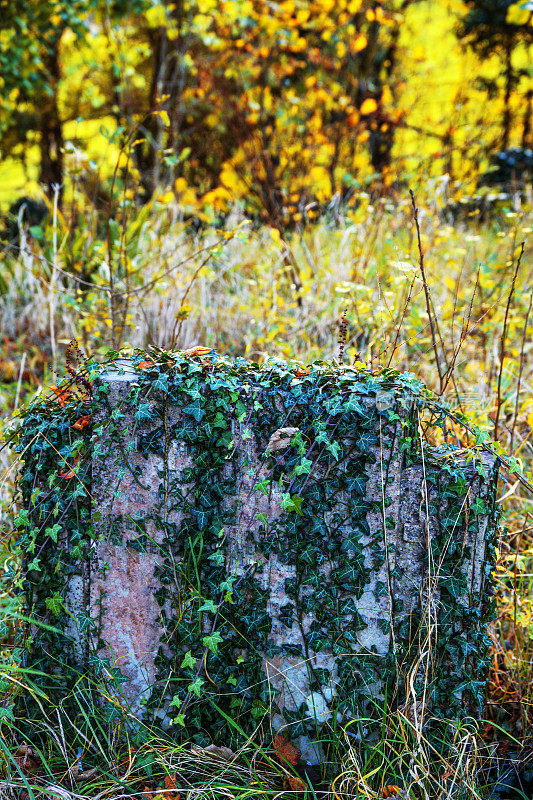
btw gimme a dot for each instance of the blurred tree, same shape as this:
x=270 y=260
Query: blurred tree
x=166 y=28
x=31 y=70
x=499 y=27
x=271 y=101
x=297 y=91
x=30 y=35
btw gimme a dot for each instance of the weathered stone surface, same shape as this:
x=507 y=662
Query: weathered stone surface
x=122 y=580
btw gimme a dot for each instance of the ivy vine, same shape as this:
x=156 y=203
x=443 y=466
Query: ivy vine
x=211 y=683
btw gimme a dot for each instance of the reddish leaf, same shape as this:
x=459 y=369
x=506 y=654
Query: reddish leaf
x=390 y=791
x=26 y=759
x=170 y=781
x=70 y=472
x=62 y=396
x=295 y=784
x=82 y=423
x=286 y=751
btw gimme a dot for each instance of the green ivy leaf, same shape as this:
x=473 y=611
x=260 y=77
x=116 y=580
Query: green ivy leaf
x=54 y=604
x=196 y=687
x=195 y=411
x=53 y=531
x=212 y=641
x=161 y=383
x=6 y=713
x=188 y=661
x=209 y=606
x=144 y=412
x=304 y=467
x=21 y=518
x=479 y=506
x=292 y=503
x=334 y=448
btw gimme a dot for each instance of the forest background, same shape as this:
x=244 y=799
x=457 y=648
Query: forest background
x=236 y=174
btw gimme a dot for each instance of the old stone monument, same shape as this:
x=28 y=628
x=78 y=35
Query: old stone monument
x=289 y=548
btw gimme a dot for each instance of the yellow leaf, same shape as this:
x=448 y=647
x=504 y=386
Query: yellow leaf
x=518 y=14
x=419 y=53
x=156 y=16
x=341 y=49
x=359 y=43
x=166 y=197
x=369 y=106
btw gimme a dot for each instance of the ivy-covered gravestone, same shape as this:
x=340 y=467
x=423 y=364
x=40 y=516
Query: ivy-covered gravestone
x=287 y=548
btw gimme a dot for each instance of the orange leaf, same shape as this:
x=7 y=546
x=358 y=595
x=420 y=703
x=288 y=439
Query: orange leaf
x=390 y=791
x=146 y=364
x=286 y=751
x=196 y=351
x=294 y=783
x=82 y=423
x=61 y=395
x=170 y=781
x=69 y=473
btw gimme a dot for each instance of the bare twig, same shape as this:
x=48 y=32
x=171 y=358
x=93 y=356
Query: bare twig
x=521 y=369
x=53 y=279
x=502 y=341
x=426 y=289
x=341 y=340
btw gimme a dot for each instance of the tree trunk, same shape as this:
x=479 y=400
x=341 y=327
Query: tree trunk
x=147 y=150
x=51 y=128
x=509 y=76
x=527 y=131
x=381 y=139
x=165 y=90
